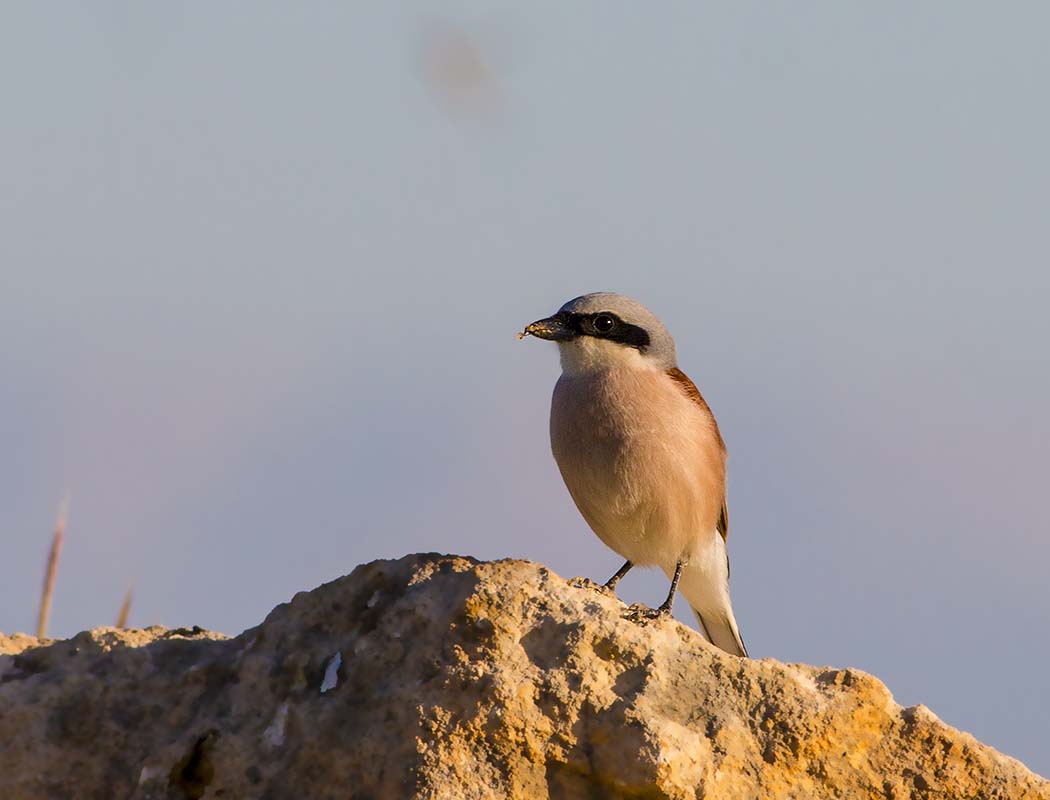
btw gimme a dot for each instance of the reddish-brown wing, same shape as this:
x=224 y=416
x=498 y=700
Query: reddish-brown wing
x=693 y=393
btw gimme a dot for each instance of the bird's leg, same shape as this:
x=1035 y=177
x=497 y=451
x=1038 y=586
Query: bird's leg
x=665 y=608
x=640 y=613
x=608 y=586
x=615 y=579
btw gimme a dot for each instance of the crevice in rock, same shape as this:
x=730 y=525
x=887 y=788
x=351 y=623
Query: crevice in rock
x=195 y=771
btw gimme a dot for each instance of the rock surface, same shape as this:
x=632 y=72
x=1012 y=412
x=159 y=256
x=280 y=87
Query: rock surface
x=443 y=677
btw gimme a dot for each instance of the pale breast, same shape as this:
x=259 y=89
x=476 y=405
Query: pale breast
x=642 y=461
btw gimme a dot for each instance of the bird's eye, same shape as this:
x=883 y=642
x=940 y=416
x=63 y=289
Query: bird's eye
x=603 y=323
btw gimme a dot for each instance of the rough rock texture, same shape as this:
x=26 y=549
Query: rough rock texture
x=442 y=677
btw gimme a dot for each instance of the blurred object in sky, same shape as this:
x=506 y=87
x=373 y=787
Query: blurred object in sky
x=457 y=71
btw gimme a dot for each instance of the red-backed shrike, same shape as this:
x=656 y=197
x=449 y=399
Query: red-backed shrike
x=641 y=454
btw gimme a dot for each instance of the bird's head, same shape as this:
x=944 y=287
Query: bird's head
x=604 y=330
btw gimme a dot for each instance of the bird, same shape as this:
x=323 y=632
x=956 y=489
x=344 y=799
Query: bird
x=641 y=454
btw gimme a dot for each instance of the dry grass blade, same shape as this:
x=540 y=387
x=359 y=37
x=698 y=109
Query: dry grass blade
x=52 y=569
x=125 y=609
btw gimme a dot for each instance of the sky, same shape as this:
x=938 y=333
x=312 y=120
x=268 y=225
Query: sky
x=262 y=266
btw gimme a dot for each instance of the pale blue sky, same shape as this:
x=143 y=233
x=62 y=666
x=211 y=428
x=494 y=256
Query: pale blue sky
x=262 y=266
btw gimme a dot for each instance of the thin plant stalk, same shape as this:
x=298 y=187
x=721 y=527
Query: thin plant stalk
x=125 y=609
x=52 y=569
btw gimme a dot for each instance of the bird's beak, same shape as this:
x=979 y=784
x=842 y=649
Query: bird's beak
x=552 y=328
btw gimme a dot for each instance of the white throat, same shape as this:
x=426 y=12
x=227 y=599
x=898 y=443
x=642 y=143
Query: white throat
x=587 y=354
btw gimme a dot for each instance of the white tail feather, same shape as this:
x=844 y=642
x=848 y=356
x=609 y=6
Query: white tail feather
x=705 y=585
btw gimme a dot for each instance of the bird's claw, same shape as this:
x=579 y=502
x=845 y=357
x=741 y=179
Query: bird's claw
x=585 y=583
x=594 y=586
x=642 y=614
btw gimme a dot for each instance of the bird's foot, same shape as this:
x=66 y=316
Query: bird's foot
x=642 y=614
x=594 y=586
x=585 y=583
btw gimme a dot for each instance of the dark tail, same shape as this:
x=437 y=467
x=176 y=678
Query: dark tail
x=722 y=632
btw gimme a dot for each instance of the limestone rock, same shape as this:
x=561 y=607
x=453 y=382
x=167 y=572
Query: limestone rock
x=443 y=677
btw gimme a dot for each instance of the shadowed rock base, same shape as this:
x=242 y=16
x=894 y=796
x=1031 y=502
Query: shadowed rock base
x=443 y=677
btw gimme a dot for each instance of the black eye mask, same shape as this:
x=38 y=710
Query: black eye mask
x=606 y=325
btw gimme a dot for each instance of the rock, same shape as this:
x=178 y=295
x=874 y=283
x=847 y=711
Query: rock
x=443 y=677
